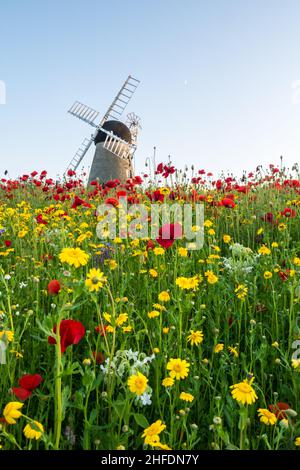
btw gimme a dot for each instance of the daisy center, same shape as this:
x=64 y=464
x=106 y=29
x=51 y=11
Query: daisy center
x=244 y=388
x=139 y=383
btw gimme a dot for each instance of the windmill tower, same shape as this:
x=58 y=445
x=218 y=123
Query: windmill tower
x=115 y=141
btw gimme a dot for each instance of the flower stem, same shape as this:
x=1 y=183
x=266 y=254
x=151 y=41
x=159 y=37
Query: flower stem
x=58 y=391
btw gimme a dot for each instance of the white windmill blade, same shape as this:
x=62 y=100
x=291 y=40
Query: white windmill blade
x=121 y=100
x=84 y=112
x=75 y=162
x=117 y=146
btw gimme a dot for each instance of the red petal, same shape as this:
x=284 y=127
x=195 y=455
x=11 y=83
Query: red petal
x=71 y=332
x=168 y=233
x=30 y=382
x=21 y=393
x=165 y=243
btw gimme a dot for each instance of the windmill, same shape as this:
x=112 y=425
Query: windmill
x=115 y=141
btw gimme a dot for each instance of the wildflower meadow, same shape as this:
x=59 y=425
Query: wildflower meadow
x=130 y=343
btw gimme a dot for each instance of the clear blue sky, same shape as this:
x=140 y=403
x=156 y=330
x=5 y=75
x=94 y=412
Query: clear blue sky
x=216 y=79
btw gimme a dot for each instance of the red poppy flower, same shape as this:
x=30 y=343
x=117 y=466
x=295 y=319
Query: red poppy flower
x=278 y=409
x=227 y=202
x=7 y=243
x=71 y=332
x=196 y=180
x=40 y=220
x=168 y=234
x=288 y=212
x=137 y=180
x=21 y=393
x=243 y=189
x=133 y=200
x=268 y=217
x=112 y=201
x=284 y=275
x=30 y=381
x=79 y=202
x=168 y=170
x=150 y=245
x=157 y=196
x=46 y=258
x=159 y=168
x=54 y=287
x=112 y=183
x=121 y=193
x=100 y=330
x=27 y=383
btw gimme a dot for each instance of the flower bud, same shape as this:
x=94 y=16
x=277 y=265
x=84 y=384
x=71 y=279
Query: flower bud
x=291 y=413
x=217 y=420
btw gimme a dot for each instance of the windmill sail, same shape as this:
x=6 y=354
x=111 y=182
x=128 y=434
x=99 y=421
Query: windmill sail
x=117 y=146
x=84 y=112
x=121 y=100
x=80 y=154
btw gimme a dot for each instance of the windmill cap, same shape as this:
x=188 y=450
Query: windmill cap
x=118 y=128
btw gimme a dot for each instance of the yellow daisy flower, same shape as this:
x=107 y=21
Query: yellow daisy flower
x=243 y=392
x=266 y=416
x=151 y=434
x=186 y=397
x=137 y=383
x=218 y=348
x=168 y=382
x=74 y=257
x=33 y=430
x=179 y=369
x=11 y=411
x=164 y=296
x=195 y=337
x=95 y=280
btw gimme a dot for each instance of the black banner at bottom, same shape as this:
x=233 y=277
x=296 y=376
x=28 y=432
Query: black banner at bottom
x=135 y=459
